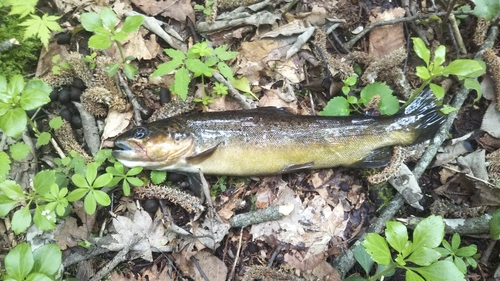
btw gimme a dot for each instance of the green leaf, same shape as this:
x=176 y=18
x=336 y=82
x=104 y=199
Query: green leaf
x=102 y=180
x=12 y=190
x=473 y=84
x=100 y=42
x=223 y=54
x=428 y=233
x=460 y=264
x=355 y=278
x=421 y=50
x=21 y=220
x=181 y=82
x=198 y=67
x=389 y=105
x=90 y=21
x=102 y=197
x=43 y=181
x=4 y=165
x=112 y=68
x=486 y=9
x=374 y=89
x=158 y=177
x=19 y=261
x=338 y=106
x=175 y=54
x=22 y=8
x=439 y=55
x=412 y=276
x=19 y=150
x=437 y=90
x=43 y=139
x=35 y=276
x=40 y=85
x=134 y=171
x=167 y=67
x=6 y=205
x=126 y=188
x=139 y=182
x=440 y=271
x=396 y=235
x=465 y=68
x=130 y=71
x=446 y=109
x=351 y=80
x=455 y=241
x=91 y=172
x=423 y=73
x=363 y=258
x=108 y=18
x=15 y=86
x=79 y=181
x=495 y=225
x=56 y=123
x=44 y=220
x=377 y=247
x=89 y=204
x=424 y=256
x=225 y=70
x=132 y=23
x=243 y=85
x=13 y=123
x=48 y=259
x=467 y=251
x=41 y=27
x=76 y=194
x=33 y=99
x=119 y=36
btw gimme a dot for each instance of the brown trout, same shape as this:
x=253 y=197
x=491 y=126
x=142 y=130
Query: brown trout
x=266 y=141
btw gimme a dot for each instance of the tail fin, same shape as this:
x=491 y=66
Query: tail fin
x=424 y=112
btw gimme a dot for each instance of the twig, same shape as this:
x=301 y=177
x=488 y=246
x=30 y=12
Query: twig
x=233 y=269
x=346 y=260
x=275 y=254
x=200 y=270
x=367 y=29
x=458 y=36
x=245 y=102
x=120 y=257
x=487 y=253
x=269 y=214
x=89 y=127
x=133 y=99
x=469 y=226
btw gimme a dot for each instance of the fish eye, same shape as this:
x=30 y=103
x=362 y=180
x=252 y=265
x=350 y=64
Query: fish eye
x=140 y=133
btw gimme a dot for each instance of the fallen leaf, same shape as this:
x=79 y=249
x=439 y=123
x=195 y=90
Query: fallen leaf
x=115 y=123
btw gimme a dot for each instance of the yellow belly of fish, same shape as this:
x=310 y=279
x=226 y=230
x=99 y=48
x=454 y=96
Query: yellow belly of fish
x=246 y=159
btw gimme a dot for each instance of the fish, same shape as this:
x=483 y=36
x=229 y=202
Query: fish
x=270 y=141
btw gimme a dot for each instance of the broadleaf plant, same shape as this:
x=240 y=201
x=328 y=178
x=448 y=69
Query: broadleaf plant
x=420 y=258
x=103 y=25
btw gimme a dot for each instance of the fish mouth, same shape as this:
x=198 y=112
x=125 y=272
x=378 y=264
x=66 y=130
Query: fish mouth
x=121 y=149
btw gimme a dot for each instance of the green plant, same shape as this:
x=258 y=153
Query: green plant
x=461 y=257
x=42 y=264
x=495 y=225
x=103 y=25
x=118 y=172
x=158 y=177
x=349 y=82
x=199 y=61
x=207 y=9
x=487 y=9
x=374 y=96
x=220 y=186
x=48 y=197
x=466 y=70
x=88 y=187
x=17 y=97
x=39 y=27
x=58 y=64
x=420 y=258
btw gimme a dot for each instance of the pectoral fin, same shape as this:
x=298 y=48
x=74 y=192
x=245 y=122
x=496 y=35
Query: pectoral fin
x=200 y=157
x=295 y=167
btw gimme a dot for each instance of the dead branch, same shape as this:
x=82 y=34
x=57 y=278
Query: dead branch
x=264 y=215
x=478 y=226
x=89 y=127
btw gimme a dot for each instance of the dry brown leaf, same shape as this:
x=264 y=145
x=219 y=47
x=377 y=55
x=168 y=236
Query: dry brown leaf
x=68 y=234
x=116 y=122
x=140 y=48
x=386 y=39
x=154 y=274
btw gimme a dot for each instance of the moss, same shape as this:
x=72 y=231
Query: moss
x=20 y=59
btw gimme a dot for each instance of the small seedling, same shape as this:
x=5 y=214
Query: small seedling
x=207 y=9
x=103 y=25
x=376 y=96
x=118 y=172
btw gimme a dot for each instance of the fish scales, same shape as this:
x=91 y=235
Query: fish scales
x=268 y=141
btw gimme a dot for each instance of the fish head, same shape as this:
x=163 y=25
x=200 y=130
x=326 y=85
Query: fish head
x=154 y=145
